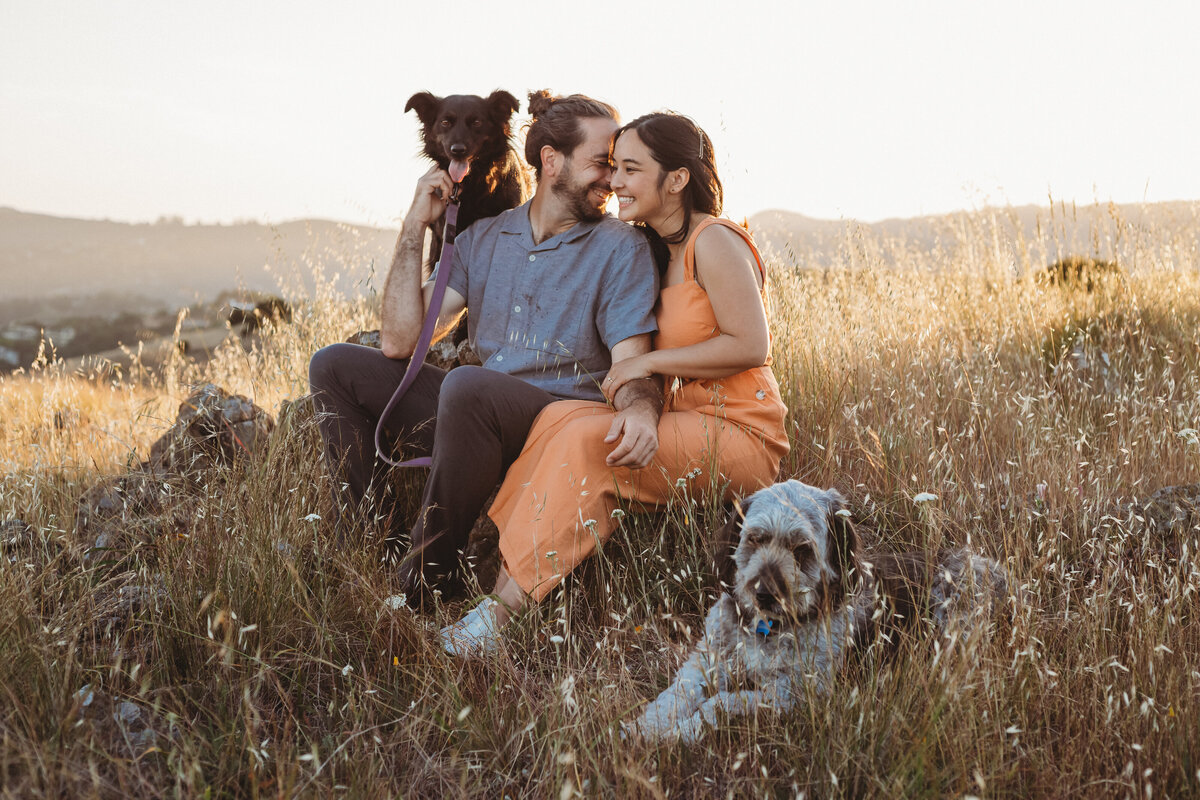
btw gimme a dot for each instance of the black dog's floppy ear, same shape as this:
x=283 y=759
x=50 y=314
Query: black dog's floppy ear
x=425 y=104
x=844 y=544
x=502 y=104
x=725 y=542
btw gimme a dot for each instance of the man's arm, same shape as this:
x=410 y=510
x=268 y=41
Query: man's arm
x=639 y=404
x=404 y=298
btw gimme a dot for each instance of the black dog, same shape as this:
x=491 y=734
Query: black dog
x=465 y=131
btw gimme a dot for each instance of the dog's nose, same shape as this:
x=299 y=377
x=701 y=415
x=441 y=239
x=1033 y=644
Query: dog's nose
x=458 y=150
x=767 y=601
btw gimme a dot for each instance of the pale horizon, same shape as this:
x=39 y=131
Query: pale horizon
x=135 y=111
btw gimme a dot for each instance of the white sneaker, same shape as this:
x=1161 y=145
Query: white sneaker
x=475 y=633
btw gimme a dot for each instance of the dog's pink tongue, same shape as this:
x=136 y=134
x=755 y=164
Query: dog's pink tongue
x=459 y=170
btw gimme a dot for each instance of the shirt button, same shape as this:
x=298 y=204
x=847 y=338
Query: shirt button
x=760 y=394
x=532 y=257
x=517 y=309
x=499 y=358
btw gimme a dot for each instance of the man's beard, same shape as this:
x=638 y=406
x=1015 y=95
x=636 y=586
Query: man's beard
x=577 y=197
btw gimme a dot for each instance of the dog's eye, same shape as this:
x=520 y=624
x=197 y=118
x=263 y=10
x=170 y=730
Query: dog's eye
x=476 y=123
x=803 y=551
x=756 y=538
x=447 y=122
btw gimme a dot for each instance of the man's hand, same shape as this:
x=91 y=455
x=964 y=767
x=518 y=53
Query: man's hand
x=635 y=426
x=638 y=402
x=404 y=296
x=429 y=201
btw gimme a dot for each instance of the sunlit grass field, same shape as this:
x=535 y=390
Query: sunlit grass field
x=261 y=656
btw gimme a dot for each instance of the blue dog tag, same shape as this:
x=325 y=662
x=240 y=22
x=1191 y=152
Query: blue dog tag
x=764 y=626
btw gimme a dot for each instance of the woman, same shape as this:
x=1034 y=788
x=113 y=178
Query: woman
x=722 y=424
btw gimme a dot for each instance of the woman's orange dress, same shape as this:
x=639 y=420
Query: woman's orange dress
x=557 y=500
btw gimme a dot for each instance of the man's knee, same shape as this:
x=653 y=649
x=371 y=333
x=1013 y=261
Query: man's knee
x=323 y=366
x=464 y=388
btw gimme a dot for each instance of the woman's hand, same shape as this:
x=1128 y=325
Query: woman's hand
x=624 y=371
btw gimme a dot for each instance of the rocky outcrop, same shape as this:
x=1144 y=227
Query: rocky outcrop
x=252 y=316
x=1080 y=272
x=131 y=727
x=212 y=429
x=1166 y=516
x=444 y=353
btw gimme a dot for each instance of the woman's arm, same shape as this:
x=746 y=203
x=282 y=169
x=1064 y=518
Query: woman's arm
x=726 y=268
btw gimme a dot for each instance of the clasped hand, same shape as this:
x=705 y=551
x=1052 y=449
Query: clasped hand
x=622 y=372
x=635 y=425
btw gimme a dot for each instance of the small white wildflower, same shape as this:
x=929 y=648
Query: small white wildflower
x=556 y=639
x=618 y=514
x=311 y=518
x=346 y=670
x=925 y=497
x=843 y=512
x=396 y=602
x=464 y=713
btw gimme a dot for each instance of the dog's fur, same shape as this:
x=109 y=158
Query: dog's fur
x=478 y=130
x=797 y=571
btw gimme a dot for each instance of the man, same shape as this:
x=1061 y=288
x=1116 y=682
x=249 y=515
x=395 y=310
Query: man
x=556 y=290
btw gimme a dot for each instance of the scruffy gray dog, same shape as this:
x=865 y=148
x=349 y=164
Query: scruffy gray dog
x=799 y=597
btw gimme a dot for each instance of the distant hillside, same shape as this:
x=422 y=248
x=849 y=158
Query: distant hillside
x=52 y=267
x=1053 y=232
x=168 y=263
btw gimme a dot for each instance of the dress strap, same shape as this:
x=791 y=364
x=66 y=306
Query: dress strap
x=689 y=250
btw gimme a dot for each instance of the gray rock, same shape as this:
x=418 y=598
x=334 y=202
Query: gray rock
x=443 y=354
x=1170 y=513
x=123 y=724
x=367 y=339
x=467 y=355
x=129 y=714
x=212 y=428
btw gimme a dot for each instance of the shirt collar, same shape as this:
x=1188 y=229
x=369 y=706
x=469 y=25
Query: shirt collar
x=518 y=223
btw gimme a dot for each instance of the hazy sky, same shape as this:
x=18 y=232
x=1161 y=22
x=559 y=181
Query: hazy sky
x=276 y=110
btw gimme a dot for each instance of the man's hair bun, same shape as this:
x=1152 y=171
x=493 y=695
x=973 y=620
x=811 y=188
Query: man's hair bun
x=540 y=102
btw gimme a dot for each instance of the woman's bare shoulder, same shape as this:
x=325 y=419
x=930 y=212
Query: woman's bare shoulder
x=719 y=244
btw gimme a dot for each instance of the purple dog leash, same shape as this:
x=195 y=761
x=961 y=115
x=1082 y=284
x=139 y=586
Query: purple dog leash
x=431 y=315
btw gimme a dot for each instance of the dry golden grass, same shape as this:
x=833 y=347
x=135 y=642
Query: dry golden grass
x=268 y=665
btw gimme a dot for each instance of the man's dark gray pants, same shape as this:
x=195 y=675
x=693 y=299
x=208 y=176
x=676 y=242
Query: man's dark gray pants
x=472 y=421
